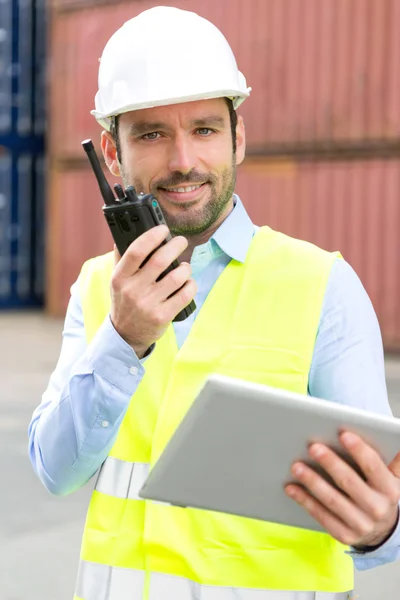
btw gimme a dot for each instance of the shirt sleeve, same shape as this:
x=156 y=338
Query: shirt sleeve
x=73 y=429
x=348 y=367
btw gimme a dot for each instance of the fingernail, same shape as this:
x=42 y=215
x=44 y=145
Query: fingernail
x=317 y=450
x=290 y=492
x=298 y=470
x=349 y=439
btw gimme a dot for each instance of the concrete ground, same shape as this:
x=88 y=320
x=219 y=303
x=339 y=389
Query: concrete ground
x=40 y=534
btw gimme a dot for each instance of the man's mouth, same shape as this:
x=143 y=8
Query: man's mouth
x=183 y=189
x=190 y=192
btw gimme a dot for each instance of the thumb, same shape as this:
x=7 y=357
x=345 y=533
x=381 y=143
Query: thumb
x=394 y=466
x=117 y=256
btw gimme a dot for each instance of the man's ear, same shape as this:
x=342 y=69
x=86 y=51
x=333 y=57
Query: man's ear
x=109 y=150
x=240 y=141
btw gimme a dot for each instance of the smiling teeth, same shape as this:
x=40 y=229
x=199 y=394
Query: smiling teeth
x=190 y=188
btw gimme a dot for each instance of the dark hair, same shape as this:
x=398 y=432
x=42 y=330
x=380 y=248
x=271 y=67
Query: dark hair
x=114 y=129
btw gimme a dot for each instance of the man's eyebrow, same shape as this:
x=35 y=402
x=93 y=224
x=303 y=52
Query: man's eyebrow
x=143 y=127
x=215 y=120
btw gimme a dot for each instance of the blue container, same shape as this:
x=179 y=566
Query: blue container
x=22 y=160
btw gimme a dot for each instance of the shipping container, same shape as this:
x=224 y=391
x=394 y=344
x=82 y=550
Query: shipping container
x=350 y=206
x=78 y=231
x=322 y=115
x=324 y=74
x=22 y=163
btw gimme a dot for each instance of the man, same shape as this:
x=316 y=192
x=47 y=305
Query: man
x=270 y=309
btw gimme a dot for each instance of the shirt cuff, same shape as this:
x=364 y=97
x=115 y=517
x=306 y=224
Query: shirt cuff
x=388 y=548
x=114 y=360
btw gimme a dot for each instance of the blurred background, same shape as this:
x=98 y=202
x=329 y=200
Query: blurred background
x=323 y=164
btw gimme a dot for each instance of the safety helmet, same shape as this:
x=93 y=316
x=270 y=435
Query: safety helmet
x=165 y=56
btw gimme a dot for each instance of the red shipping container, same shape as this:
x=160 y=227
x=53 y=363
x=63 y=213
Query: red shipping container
x=351 y=206
x=320 y=71
x=78 y=231
x=348 y=206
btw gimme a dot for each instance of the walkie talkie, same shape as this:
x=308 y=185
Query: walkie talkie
x=129 y=215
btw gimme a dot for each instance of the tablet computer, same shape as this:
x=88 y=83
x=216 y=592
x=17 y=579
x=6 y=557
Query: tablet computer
x=234 y=449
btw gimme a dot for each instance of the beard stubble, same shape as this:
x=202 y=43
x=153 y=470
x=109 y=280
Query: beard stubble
x=191 y=220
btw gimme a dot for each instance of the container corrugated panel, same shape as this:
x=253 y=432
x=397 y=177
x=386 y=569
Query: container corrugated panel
x=22 y=69
x=5 y=221
x=319 y=70
x=79 y=232
x=348 y=206
x=5 y=65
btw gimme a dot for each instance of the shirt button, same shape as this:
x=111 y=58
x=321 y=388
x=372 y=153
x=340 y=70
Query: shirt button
x=133 y=370
x=105 y=423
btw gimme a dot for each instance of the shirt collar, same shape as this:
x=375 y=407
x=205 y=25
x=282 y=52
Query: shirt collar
x=234 y=235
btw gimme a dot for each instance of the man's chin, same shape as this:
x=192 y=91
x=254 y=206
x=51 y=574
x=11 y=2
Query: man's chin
x=190 y=227
x=192 y=219
x=186 y=229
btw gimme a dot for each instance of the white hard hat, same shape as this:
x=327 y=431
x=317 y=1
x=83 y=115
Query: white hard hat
x=165 y=56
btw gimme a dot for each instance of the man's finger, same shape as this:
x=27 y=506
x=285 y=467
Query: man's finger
x=162 y=259
x=334 y=526
x=180 y=299
x=117 y=256
x=376 y=472
x=334 y=500
x=394 y=466
x=139 y=250
x=172 y=282
x=347 y=479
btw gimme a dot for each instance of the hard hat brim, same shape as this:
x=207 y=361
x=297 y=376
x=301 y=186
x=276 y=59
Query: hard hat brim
x=104 y=119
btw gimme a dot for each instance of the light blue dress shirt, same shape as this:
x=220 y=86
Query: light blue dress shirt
x=76 y=424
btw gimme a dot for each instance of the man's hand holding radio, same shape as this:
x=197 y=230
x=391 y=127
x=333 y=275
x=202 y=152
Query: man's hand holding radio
x=142 y=307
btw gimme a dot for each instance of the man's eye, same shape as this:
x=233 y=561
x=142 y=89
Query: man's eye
x=205 y=131
x=151 y=136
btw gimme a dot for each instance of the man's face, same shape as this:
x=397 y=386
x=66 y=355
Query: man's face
x=183 y=155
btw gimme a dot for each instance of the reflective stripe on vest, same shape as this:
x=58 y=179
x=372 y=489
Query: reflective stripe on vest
x=121 y=479
x=101 y=582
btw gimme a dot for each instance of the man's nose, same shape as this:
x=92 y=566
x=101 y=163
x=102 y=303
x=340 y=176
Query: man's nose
x=181 y=155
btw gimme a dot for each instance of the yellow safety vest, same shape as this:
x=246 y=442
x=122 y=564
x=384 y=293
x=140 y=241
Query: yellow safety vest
x=259 y=323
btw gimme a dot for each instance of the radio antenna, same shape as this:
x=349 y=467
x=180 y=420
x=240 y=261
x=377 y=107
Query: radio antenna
x=105 y=188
